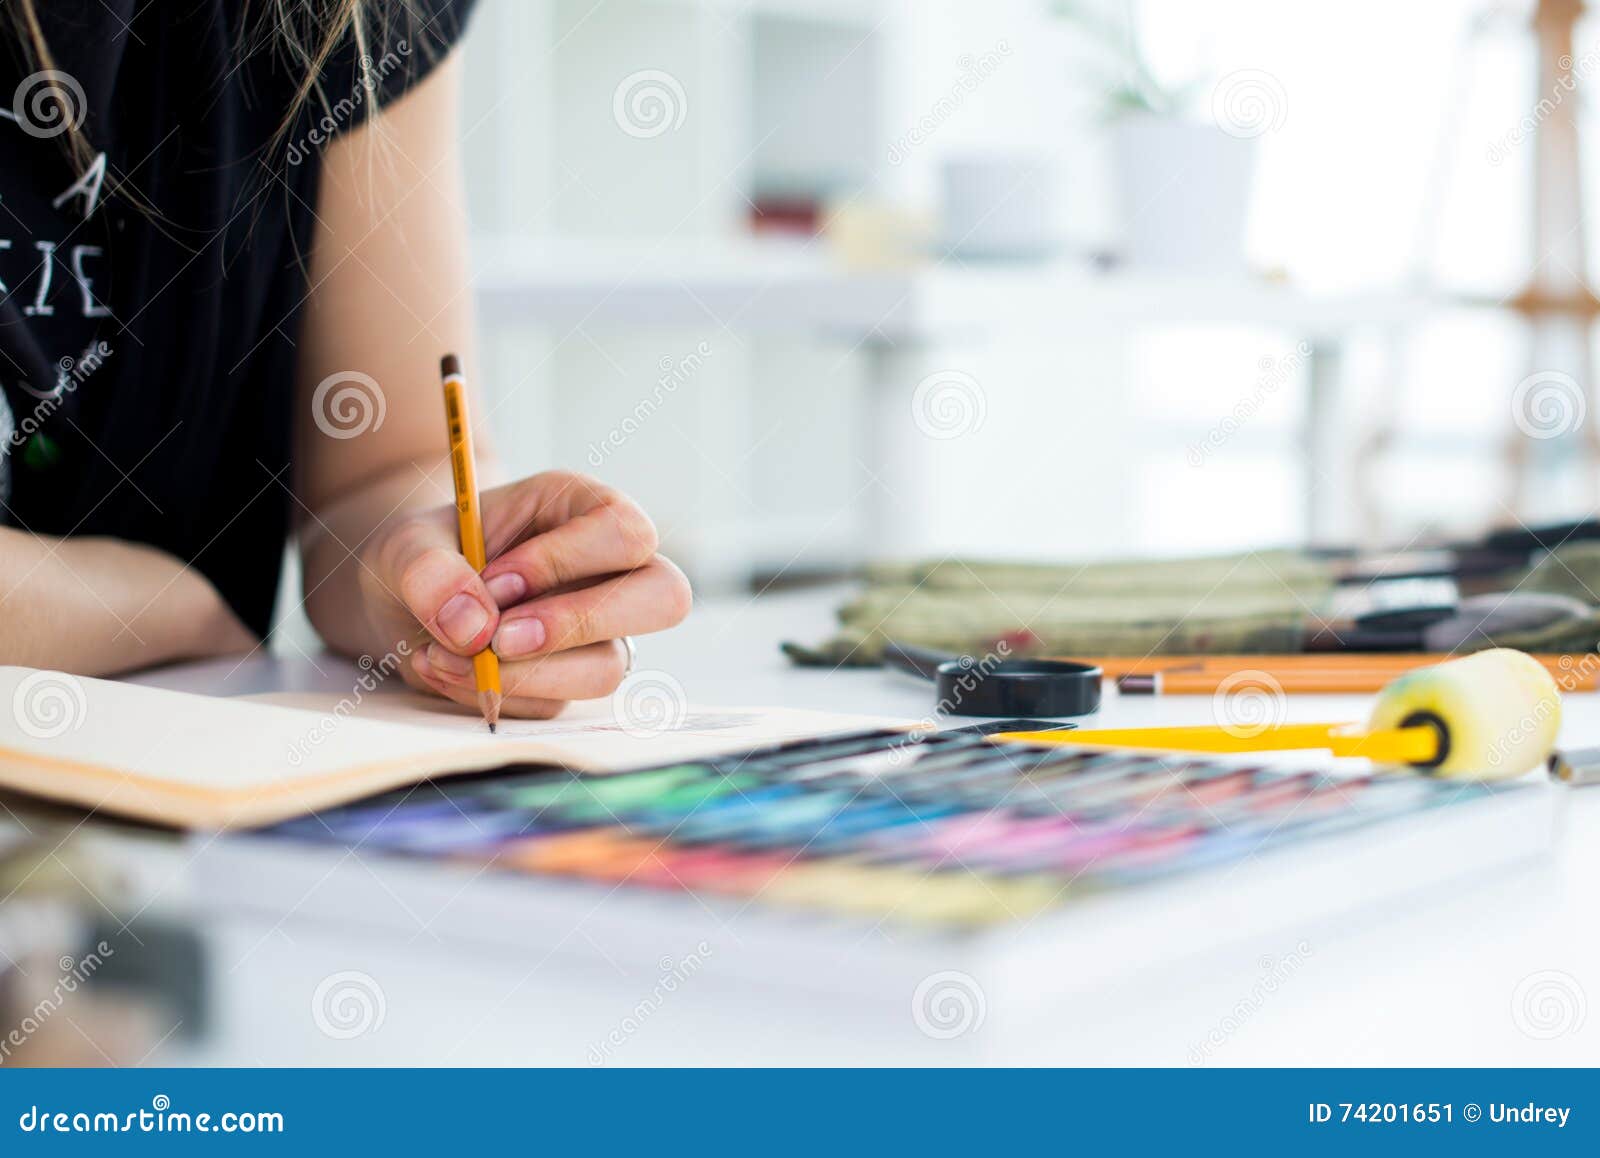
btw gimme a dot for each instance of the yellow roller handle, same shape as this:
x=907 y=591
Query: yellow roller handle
x=1416 y=745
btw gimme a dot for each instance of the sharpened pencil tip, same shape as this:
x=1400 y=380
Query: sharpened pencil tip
x=489 y=705
x=491 y=729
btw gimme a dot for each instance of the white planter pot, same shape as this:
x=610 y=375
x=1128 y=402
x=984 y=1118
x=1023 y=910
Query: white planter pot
x=1184 y=192
x=999 y=208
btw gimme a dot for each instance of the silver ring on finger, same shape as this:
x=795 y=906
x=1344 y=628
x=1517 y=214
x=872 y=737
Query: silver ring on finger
x=632 y=653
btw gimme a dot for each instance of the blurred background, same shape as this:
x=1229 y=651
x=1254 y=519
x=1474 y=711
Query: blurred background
x=820 y=281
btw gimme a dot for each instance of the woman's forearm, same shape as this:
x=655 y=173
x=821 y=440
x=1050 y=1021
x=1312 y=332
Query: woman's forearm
x=335 y=543
x=99 y=606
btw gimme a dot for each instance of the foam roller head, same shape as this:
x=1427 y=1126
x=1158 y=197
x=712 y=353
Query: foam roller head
x=1498 y=712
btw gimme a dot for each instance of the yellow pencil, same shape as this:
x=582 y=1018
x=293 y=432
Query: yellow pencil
x=464 y=472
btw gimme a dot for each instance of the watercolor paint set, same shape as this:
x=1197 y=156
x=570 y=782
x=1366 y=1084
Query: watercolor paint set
x=944 y=830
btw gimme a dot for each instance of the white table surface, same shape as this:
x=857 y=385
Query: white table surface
x=1428 y=984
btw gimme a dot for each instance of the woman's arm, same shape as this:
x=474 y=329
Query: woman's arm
x=388 y=296
x=573 y=562
x=97 y=606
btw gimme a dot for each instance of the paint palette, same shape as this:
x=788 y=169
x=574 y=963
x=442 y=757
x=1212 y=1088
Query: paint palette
x=946 y=829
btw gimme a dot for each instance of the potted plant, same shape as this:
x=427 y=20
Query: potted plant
x=1182 y=165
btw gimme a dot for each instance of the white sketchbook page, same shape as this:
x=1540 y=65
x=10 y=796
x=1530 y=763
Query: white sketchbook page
x=588 y=735
x=210 y=762
x=62 y=726
x=76 y=725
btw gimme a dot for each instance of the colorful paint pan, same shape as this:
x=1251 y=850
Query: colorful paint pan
x=941 y=829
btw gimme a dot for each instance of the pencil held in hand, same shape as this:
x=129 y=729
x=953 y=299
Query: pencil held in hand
x=464 y=473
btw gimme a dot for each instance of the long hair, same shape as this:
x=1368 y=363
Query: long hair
x=306 y=32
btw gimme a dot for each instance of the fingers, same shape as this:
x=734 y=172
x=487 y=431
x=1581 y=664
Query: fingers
x=583 y=673
x=654 y=597
x=581 y=529
x=423 y=567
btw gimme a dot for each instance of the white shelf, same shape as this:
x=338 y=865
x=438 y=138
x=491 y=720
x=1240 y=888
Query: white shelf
x=757 y=287
x=775 y=286
x=845 y=12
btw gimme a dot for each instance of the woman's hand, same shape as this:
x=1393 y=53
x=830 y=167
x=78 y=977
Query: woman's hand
x=573 y=568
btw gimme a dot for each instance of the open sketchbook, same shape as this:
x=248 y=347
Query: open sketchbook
x=193 y=761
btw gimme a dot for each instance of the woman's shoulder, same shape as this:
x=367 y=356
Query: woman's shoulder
x=331 y=76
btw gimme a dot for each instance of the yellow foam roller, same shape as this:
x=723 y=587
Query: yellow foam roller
x=1498 y=712
x=1484 y=716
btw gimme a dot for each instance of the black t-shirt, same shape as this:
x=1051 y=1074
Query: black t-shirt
x=150 y=289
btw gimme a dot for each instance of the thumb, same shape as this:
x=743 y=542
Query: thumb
x=438 y=586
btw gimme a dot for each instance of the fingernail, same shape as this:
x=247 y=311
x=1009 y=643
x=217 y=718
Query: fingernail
x=447 y=662
x=507 y=589
x=420 y=663
x=518 y=638
x=462 y=618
